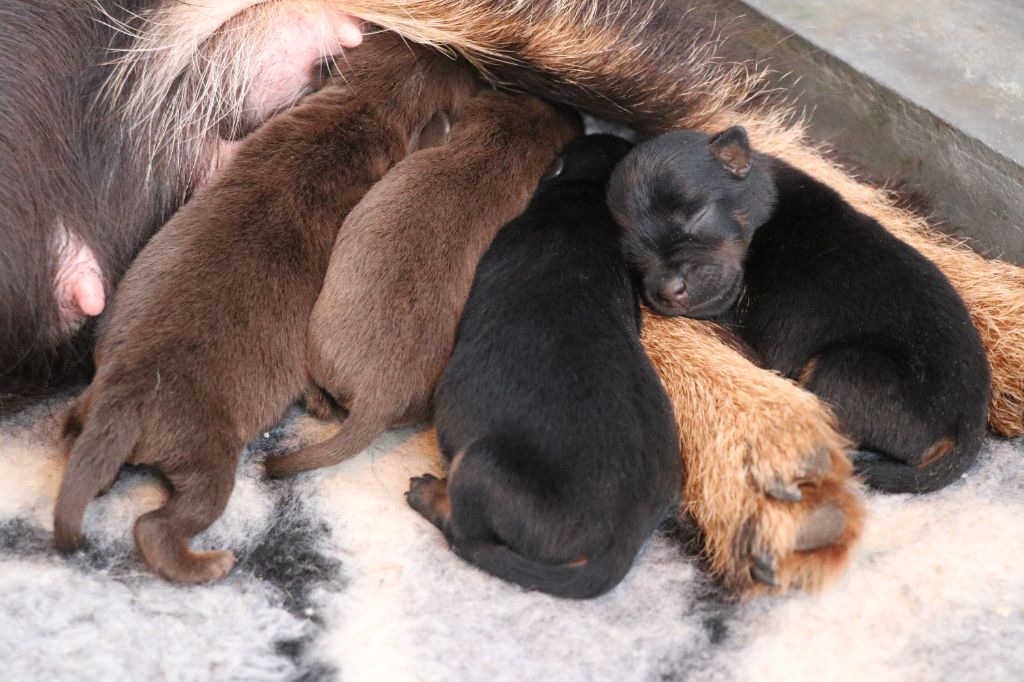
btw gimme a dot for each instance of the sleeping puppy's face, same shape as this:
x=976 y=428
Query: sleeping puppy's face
x=688 y=205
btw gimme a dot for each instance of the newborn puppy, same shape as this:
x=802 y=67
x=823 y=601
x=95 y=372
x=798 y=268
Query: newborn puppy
x=560 y=441
x=384 y=324
x=206 y=344
x=819 y=292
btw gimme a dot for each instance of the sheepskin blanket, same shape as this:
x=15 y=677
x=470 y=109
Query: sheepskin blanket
x=338 y=579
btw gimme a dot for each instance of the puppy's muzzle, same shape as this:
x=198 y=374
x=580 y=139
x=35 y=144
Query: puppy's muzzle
x=702 y=293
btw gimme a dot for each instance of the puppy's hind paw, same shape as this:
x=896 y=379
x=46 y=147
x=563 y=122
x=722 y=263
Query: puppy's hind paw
x=201 y=567
x=167 y=552
x=428 y=495
x=209 y=566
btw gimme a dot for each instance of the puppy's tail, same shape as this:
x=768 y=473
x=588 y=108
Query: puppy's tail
x=487 y=461
x=583 y=579
x=358 y=431
x=97 y=453
x=943 y=464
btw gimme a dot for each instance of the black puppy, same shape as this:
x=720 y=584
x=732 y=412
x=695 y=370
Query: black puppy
x=560 y=441
x=820 y=292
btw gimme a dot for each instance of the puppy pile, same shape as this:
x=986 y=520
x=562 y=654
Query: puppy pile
x=380 y=242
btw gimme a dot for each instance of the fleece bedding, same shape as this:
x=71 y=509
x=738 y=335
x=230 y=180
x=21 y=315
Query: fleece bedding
x=338 y=578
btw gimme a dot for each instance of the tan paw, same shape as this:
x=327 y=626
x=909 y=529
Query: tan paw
x=768 y=480
x=792 y=515
x=799 y=529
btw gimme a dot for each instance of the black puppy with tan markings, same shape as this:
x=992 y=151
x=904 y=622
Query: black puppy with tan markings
x=819 y=292
x=561 y=442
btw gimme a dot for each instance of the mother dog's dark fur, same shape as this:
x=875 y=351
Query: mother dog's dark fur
x=205 y=343
x=820 y=292
x=560 y=439
x=384 y=324
x=68 y=162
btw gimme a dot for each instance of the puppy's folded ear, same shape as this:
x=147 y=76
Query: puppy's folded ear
x=732 y=149
x=555 y=169
x=434 y=133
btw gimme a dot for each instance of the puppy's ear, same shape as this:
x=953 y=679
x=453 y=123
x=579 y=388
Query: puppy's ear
x=732 y=149
x=555 y=169
x=434 y=133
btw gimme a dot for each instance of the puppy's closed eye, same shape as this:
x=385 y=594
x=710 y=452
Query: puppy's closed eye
x=701 y=214
x=687 y=215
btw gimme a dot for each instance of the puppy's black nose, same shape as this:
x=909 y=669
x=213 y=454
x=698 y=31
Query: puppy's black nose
x=679 y=295
x=674 y=292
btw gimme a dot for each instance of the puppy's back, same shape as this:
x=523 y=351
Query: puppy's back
x=874 y=328
x=248 y=254
x=384 y=323
x=414 y=241
x=569 y=438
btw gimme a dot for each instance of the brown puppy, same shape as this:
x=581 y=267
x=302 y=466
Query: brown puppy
x=206 y=343
x=384 y=325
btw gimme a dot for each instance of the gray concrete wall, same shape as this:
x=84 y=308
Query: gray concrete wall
x=929 y=93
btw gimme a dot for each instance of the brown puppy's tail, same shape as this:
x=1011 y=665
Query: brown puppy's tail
x=97 y=454
x=358 y=431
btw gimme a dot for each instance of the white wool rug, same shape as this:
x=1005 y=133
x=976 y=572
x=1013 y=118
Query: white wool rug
x=338 y=579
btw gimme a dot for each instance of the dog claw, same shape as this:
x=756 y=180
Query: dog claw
x=763 y=570
x=783 y=491
x=817 y=464
x=821 y=529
